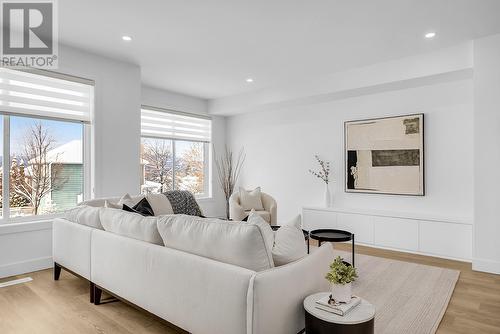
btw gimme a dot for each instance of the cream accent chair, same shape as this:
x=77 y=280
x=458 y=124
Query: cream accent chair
x=237 y=213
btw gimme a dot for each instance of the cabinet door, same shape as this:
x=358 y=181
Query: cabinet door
x=453 y=240
x=360 y=225
x=396 y=233
x=315 y=219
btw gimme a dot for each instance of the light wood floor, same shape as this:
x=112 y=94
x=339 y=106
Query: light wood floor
x=47 y=307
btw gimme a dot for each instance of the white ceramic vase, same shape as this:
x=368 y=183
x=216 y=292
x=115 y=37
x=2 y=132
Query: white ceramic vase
x=342 y=292
x=328 y=197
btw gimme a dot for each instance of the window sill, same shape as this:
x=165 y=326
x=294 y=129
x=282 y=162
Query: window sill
x=20 y=226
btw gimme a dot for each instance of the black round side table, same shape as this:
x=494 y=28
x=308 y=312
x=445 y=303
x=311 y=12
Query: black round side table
x=331 y=235
x=360 y=320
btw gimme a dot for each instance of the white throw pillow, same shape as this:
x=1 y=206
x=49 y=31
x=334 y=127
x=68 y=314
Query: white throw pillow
x=160 y=204
x=289 y=243
x=247 y=245
x=129 y=224
x=84 y=215
x=267 y=231
x=109 y=204
x=251 y=199
x=295 y=222
x=129 y=200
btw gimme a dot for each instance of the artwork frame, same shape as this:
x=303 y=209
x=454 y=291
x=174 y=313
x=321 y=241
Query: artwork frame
x=379 y=167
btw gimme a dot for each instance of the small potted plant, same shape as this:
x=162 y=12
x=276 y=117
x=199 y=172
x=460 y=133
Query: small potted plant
x=341 y=275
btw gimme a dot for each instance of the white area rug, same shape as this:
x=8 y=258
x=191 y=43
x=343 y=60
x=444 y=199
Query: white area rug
x=408 y=297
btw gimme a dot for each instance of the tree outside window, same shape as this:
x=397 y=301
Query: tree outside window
x=46 y=166
x=165 y=170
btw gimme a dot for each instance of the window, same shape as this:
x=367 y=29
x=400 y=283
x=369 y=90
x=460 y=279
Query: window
x=174 y=151
x=45 y=119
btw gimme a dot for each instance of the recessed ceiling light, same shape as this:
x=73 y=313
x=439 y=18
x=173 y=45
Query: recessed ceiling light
x=127 y=38
x=430 y=35
x=249 y=80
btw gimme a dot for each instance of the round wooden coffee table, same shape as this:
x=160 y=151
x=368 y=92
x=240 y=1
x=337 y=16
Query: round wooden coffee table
x=360 y=320
x=331 y=235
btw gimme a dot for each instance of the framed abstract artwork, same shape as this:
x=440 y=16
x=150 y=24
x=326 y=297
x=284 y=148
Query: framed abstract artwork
x=385 y=155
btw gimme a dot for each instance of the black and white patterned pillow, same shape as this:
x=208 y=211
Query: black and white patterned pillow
x=183 y=202
x=142 y=208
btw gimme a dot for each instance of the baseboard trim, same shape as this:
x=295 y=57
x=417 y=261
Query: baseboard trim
x=487 y=266
x=414 y=252
x=24 y=267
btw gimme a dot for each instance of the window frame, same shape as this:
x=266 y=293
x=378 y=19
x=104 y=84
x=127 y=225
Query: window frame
x=207 y=153
x=87 y=152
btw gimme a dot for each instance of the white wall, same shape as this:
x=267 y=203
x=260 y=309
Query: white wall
x=25 y=248
x=487 y=153
x=116 y=118
x=170 y=100
x=154 y=97
x=281 y=145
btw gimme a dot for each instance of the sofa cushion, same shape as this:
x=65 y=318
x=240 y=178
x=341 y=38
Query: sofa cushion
x=247 y=245
x=251 y=199
x=130 y=225
x=289 y=243
x=160 y=204
x=84 y=215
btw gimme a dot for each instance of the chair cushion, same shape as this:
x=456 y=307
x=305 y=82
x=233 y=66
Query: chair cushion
x=248 y=245
x=251 y=199
x=266 y=215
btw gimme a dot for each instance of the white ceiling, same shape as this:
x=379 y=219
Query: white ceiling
x=207 y=48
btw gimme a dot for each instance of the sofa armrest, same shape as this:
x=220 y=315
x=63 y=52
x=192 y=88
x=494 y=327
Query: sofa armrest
x=236 y=211
x=278 y=293
x=71 y=246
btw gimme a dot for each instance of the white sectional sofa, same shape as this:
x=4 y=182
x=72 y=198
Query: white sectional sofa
x=196 y=293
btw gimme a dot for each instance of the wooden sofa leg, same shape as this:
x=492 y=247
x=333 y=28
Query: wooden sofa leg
x=97 y=295
x=92 y=292
x=57 y=271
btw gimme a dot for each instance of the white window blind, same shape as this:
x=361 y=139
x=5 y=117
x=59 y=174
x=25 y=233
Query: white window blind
x=49 y=96
x=169 y=124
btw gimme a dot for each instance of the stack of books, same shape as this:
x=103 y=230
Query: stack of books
x=328 y=304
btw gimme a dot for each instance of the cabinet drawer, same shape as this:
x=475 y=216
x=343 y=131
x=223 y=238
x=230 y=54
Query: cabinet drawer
x=313 y=219
x=360 y=225
x=396 y=233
